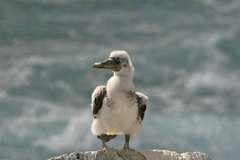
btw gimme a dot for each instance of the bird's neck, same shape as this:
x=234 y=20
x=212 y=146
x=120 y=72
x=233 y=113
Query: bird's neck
x=125 y=74
x=120 y=83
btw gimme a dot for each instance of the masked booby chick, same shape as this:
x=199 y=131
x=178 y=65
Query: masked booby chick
x=117 y=108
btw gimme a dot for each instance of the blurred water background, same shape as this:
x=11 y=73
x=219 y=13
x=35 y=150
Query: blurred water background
x=187 y=60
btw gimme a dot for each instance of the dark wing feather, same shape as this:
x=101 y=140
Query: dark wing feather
x=141 y=107
x=97 y=99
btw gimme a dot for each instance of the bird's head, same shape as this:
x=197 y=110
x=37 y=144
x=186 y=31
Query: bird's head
x=119 y=62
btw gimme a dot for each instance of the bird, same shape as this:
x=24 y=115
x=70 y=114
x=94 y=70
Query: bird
x=117 y=108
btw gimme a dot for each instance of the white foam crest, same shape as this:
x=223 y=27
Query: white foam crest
x=221 y=6
x=168 y=97
x=16 y=75
x=76 y=135
x=208 y=39
x=228 y=7
x=180 y=95
x=212 y=134
x=19 y=76
x=20 y=72
x=213 y=79
x=208 y=2
x=58 y=2
x=35 y=113
x=3 y=94
x=60 y=59
x=213 y=73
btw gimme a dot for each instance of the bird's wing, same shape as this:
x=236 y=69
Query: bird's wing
x=97 y=99
x=142 y=104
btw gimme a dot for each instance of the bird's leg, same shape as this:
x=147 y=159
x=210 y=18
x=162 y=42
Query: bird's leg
x=104 y=146
x=103 y=138
x=127 y=139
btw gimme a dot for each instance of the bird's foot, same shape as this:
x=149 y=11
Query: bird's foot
x=126 y=147
x=104 y=147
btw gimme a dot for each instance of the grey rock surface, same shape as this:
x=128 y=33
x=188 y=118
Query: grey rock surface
x=113 y=154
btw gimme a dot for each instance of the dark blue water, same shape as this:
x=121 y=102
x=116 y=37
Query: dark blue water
x=187 y=60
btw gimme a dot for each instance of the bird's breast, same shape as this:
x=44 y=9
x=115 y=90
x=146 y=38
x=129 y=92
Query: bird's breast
x=120 y=100
x=119 y=92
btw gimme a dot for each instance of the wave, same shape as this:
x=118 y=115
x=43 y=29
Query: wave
x=76 y=135
x=186 y=57
x=206 y=133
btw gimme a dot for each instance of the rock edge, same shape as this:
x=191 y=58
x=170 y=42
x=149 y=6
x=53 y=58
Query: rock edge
x=113 y=154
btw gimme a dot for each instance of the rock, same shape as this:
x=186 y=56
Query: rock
x=113 y=154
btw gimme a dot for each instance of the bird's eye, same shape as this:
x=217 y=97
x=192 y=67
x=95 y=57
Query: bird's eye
x=117 y=60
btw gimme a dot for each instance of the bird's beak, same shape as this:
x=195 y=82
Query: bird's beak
x=108 y=64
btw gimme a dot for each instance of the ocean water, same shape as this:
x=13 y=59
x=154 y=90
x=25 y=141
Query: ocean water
x=186 y=56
